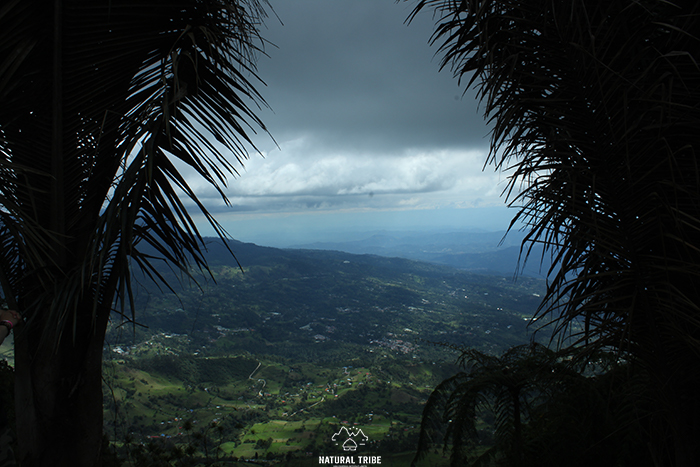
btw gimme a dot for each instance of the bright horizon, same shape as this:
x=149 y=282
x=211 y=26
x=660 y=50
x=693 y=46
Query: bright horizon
x=281 y=229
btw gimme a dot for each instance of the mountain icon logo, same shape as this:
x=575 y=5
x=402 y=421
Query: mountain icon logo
x=349 y=439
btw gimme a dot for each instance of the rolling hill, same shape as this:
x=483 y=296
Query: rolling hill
x=295 y=344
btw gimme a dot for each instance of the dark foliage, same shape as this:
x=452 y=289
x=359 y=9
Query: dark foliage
x=533 y=407
x=509 y=388
x=595 y=107
x=103 y=104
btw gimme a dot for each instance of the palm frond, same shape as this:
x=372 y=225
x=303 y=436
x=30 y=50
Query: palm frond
x=510 y=387
x=99 y=101
x=433 y=418
x=594 y=106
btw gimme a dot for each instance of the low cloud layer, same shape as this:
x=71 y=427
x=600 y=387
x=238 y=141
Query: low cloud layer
x=422 y=179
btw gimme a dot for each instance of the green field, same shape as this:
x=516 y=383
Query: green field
x=264 y=408
x=271 y=364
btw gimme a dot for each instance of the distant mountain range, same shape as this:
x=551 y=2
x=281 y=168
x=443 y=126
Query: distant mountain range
x=301 y=303
x=474 y=251
x=300 y=342
x=293 y=297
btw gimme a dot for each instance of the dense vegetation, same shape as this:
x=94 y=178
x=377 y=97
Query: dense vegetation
x=294 y=347
x=595 y=107
x=105 y=105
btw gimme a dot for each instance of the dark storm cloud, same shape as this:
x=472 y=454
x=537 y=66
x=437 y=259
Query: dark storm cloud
x=362 y=118
x=352 y=74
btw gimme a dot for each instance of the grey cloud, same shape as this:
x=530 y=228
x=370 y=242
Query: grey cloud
x=362 y=118
x=355 y=75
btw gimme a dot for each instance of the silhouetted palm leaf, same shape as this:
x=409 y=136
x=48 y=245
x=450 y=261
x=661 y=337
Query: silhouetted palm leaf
x=105 y=106
x=510 y=387
x=595 y=105
x=91 y=122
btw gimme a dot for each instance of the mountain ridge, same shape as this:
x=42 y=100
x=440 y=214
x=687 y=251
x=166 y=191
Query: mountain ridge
x=485 y=252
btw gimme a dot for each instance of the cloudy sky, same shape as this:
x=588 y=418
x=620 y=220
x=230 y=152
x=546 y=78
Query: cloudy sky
x=368 y=134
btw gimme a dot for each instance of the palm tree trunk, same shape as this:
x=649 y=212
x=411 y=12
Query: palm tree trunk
x=58 y=391
x=517 y=452
x=57 y=133
x=677 y=396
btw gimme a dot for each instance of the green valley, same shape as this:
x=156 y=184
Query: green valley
x=270 y=362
